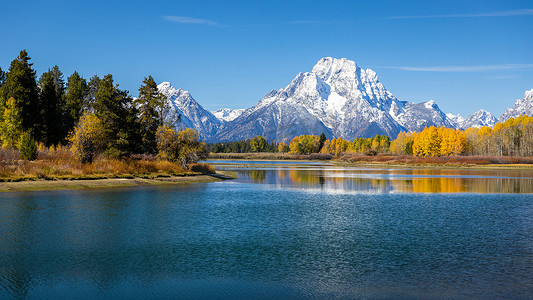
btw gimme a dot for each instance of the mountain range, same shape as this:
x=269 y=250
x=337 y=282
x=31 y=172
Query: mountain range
x=336 y=97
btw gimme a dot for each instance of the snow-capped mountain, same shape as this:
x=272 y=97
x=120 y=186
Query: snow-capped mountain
x=338 y=98
x=522 y=106
x=193 y=115
x=478 y=119
x=226 y=114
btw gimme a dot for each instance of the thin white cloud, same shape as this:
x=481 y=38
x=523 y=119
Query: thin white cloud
x=503 y=13
x=189 y=20
x=481 y=68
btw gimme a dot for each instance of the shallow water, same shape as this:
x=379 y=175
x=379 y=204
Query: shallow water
x=279 y=231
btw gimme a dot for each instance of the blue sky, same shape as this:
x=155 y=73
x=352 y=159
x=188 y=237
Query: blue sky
x=465 y=55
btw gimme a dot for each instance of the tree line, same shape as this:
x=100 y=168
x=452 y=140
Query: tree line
x=511 y=138
x=92 y=116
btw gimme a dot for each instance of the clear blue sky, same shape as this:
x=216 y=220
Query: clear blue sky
x=465 y=55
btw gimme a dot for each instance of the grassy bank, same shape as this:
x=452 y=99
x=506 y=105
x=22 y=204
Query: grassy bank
x=270 y=156
x=42 y=185
x=451 y=161
x=391 y=160
x=58 y=169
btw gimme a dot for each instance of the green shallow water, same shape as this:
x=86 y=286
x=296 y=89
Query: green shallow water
x=270 y=234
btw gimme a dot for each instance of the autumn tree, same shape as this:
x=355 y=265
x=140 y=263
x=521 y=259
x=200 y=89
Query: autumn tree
x=88 y=139
x=184 y=146
x=11 y=125
x=283 y=148
x=257 y=144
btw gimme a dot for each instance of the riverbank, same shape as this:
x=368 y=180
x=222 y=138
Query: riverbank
x=496 y=162
x=60 y=184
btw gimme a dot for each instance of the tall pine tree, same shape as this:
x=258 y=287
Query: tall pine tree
x=152 y=107
x=76 y=92
x=115 y=109
x=20 y=84
x=53 y=107
x=90 y=97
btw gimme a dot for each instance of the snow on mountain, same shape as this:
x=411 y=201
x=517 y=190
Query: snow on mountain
x=456 y=120
x=338 y=98
x=226 y=114
x=193 y=115
x=522 y=106
x=478 y=119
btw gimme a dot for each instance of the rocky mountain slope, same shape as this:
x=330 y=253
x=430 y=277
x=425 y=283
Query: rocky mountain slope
x=338 y=98
x=226 y=114
x=193 y=115
x=522 y=106
x=478 y=119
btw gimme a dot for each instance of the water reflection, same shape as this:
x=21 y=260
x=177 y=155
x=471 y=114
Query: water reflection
x=332 y=178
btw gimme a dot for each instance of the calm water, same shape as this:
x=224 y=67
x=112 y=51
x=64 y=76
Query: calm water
x=279 y=231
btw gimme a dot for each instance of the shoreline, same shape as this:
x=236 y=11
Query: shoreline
x=390 y=164
x=82 y=184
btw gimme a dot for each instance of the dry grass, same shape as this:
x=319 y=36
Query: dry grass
x=58 y=163
x=270 y=156
x=202 y=168
x=436 y=160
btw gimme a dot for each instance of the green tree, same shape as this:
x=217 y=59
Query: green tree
x=2 y=78
x=11 y=126
x=76 y=92
x=153 y=108
x=115 y=109
x=321 y=141
x=28 y=147
x=90 y=96
x=258 y=144
x=20 y=84
x=53 y=129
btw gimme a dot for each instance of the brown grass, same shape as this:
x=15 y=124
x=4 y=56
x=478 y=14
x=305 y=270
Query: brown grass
x=270 y=156
x=202 y=168
x=59 y=163
x=436 y=160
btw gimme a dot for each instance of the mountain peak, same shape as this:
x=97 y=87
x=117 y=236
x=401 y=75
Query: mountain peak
x=329 y=68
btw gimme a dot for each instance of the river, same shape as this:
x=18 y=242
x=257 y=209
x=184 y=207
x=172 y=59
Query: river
x=281 y=230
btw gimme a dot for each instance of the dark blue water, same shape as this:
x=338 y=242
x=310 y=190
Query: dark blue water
x=249 y=239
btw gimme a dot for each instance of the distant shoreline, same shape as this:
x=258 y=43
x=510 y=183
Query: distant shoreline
x=459 y=162
x=46 y=185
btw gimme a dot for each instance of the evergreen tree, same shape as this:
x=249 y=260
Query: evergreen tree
x=76 y=92
x=115 y=109
x=153 y=108
x=53 y=107
x=321 y=141
x=28 y=147
x=20 y=84
x=2 y=78
x=90 y=95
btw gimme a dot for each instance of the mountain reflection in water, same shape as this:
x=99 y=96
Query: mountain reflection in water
x=331 y=178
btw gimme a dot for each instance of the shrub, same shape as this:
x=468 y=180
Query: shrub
x=202 y=168
x=183 y=146
x=28 y=147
